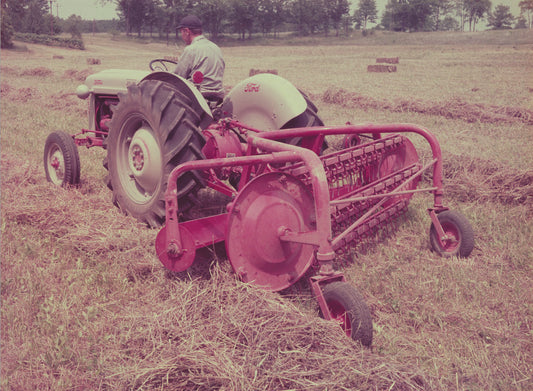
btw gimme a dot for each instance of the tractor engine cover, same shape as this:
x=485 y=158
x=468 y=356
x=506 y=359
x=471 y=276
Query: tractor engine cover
x=267 y=208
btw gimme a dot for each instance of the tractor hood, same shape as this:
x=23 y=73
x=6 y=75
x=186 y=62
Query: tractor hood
x=110 y=81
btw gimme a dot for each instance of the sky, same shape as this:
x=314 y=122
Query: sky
x=93 y=9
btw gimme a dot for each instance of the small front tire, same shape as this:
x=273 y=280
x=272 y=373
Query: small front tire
x=61 y=160
x=459 y=235
x=347 y=306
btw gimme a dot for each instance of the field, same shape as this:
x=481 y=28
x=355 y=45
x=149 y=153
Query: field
x=86 y=305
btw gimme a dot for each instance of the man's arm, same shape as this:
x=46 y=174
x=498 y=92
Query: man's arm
x=185 y=64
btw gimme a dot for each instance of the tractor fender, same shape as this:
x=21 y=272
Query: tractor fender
x=264 y=101
x=184 y=86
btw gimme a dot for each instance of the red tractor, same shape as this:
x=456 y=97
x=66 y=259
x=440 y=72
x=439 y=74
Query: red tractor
x=288 y=207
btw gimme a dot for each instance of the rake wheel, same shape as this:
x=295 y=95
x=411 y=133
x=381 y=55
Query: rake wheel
x=348 y=308
x=459 y=233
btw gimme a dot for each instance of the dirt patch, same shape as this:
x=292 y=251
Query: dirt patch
x=39 y=71
x=455 y=108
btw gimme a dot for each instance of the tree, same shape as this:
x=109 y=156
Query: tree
x=242 y=15
x=7 y=31
x=526 y=8
x=476 y=10
x=501 y=18
x=408 y=15
x=441 y=10
x=334 y=11
x=34 y=21
x=306 y=14
x=72 y=26
x=366 y=12
x=270 y=15
x=213 y=13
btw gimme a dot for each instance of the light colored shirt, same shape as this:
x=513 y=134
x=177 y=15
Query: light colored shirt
x=204 y=56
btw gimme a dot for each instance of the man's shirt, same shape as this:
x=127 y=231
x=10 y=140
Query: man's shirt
x=204 y=56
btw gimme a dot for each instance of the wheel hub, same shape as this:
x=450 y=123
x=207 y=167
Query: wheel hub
x=57 y=163
x=145 y=161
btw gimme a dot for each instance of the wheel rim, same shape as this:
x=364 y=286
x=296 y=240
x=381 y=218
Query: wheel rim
x=451 y=243
x=338 y=314
x=139 y=160
x=56 y=165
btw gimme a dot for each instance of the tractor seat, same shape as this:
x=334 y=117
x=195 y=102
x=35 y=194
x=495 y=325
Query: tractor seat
x=213 y=98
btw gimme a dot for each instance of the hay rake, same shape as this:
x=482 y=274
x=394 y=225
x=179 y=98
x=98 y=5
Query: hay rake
x=292 y=208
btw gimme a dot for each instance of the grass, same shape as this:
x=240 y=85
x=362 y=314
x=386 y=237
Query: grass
x=87 y=305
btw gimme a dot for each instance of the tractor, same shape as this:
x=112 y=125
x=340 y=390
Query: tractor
x=290 y=205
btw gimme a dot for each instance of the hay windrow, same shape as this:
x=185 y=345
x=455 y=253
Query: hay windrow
x=224 y=334
x=72 y=217
x=455 y=108
x=78 y=75
x=39 y=71
x=471 y=179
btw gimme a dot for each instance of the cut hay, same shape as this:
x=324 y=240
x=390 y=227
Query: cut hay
x=258 y=71
x=382 y=68
x=77 y=75
x=470 y=179
x=388 y=60
x=39 y=71
x=185 y=331
x=22 y=95
x=87 y=223
x=453 y=109
x=93 y=61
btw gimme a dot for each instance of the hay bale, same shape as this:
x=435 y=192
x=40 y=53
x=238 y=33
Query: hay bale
x=257 y=71
x=381 y=68
x=93 y=61
x=57 y=57
x=388 y=60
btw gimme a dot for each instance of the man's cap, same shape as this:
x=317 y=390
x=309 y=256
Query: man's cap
x=191 y=22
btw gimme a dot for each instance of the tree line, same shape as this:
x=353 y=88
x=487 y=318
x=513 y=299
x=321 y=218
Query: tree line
x=268 y=17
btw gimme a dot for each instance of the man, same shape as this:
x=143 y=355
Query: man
x=200 y=55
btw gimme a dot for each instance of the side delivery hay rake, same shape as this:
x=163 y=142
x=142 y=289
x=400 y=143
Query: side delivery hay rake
x=291 y=207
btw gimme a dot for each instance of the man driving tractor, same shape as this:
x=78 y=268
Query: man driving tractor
x=201 y=61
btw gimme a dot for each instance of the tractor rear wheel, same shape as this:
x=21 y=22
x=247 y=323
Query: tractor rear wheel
x=459 y=233
x=309 y=118
x=61 y=159
x=347 y=306
x=153 y=130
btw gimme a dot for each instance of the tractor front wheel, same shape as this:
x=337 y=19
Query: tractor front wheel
x=459 y=235
x=348 y=308
x=153 y=130
x=61 y=159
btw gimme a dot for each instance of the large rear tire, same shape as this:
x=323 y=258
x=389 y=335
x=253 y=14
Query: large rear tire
x=309 y=118
x=153 y=129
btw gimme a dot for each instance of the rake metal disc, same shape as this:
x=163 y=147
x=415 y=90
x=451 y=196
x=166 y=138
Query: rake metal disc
x=268 y=207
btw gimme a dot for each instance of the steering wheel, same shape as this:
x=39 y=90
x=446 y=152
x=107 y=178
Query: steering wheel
x=160 y=64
